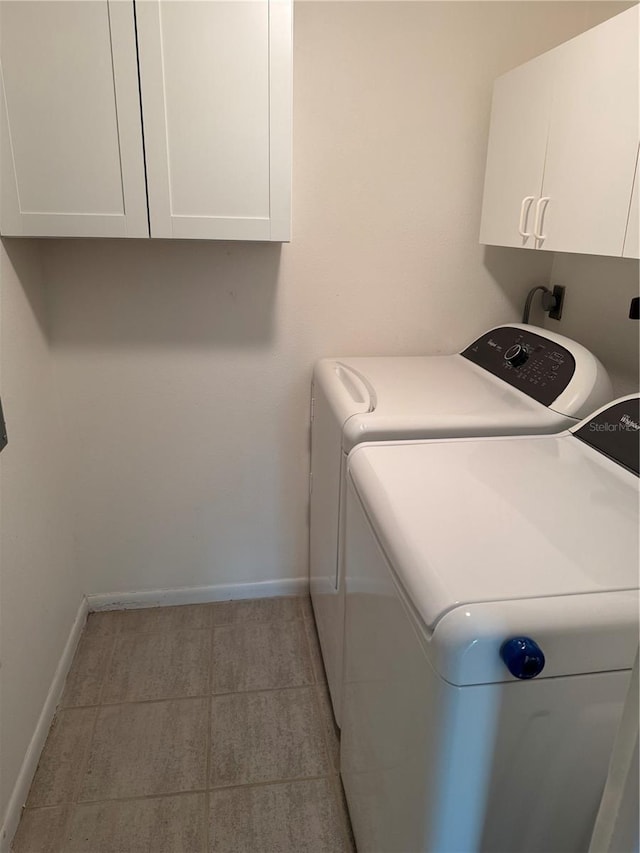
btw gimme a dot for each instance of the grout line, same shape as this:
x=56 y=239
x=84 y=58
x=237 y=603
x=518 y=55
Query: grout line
x=308 y=686
x=130 y=632
x=136 y=798
x=192 y=792
x=281 y=781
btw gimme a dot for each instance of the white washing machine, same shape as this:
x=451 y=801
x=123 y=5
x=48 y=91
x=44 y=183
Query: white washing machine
x=513 y=380
x=491 y=626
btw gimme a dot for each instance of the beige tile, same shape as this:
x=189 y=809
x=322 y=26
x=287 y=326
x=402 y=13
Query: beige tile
x=293 y=817
x=189 y=617
x=158 y=666
x=256 y=610
x=314 y=650
x=331 y=730
x=148 y=748
x=263 y=737
x=41 y=830
x=84 y=681
x=62 y=758
x=260 y=656
x=103 y=623
x=159 y=825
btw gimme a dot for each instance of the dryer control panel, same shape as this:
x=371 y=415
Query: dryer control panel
x=615 y=431
x=532 y=363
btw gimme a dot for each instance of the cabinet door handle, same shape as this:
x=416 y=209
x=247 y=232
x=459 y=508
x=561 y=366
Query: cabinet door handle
x=525 y=207
x=541 y=206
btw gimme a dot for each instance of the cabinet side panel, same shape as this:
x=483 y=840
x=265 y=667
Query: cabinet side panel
x=516 y=151
x=280 y=98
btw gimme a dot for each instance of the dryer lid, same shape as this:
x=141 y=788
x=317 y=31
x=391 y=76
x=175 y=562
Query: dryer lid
x=499 y=519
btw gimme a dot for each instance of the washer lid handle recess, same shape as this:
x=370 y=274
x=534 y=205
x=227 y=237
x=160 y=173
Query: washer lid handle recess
x=356 y=386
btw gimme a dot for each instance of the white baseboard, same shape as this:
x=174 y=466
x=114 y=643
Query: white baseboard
x=196 y=594
x=30 y=763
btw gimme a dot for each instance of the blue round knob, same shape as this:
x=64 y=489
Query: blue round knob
x=524 y=657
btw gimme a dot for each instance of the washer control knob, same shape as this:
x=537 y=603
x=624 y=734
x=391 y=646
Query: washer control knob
x=516 y=355
x=523 y=656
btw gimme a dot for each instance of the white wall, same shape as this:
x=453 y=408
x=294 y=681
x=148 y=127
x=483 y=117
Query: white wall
x=40 y=589
x=184 y=368
x=596 y=312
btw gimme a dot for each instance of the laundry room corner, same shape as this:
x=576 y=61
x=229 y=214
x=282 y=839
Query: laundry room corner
x=243 y=245
x=201 y=354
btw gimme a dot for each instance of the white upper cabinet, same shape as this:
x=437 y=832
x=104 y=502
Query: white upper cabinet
x=215 y=85
x=515 y=157
x=71 y=146
x=575 y=109
x=593 y=139
x=161 y=118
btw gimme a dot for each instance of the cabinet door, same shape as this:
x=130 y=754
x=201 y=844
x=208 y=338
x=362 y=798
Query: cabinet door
x=632 y=237
x=215 y=79
x=515 y=156
x=593 y=139
x=72 y=160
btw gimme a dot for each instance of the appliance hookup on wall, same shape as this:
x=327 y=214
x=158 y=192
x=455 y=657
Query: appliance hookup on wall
x=557 y=295
x=552 y=301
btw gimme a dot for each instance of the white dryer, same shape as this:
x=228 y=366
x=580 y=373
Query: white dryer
x=514 y=379
x=491 y=627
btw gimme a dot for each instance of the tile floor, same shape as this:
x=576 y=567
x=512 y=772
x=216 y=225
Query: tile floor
x=195 y=729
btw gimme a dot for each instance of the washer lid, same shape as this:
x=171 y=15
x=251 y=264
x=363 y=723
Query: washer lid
x=499 y=519
x=546 y=386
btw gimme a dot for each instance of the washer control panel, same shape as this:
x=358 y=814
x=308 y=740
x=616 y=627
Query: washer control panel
x=532 y=363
